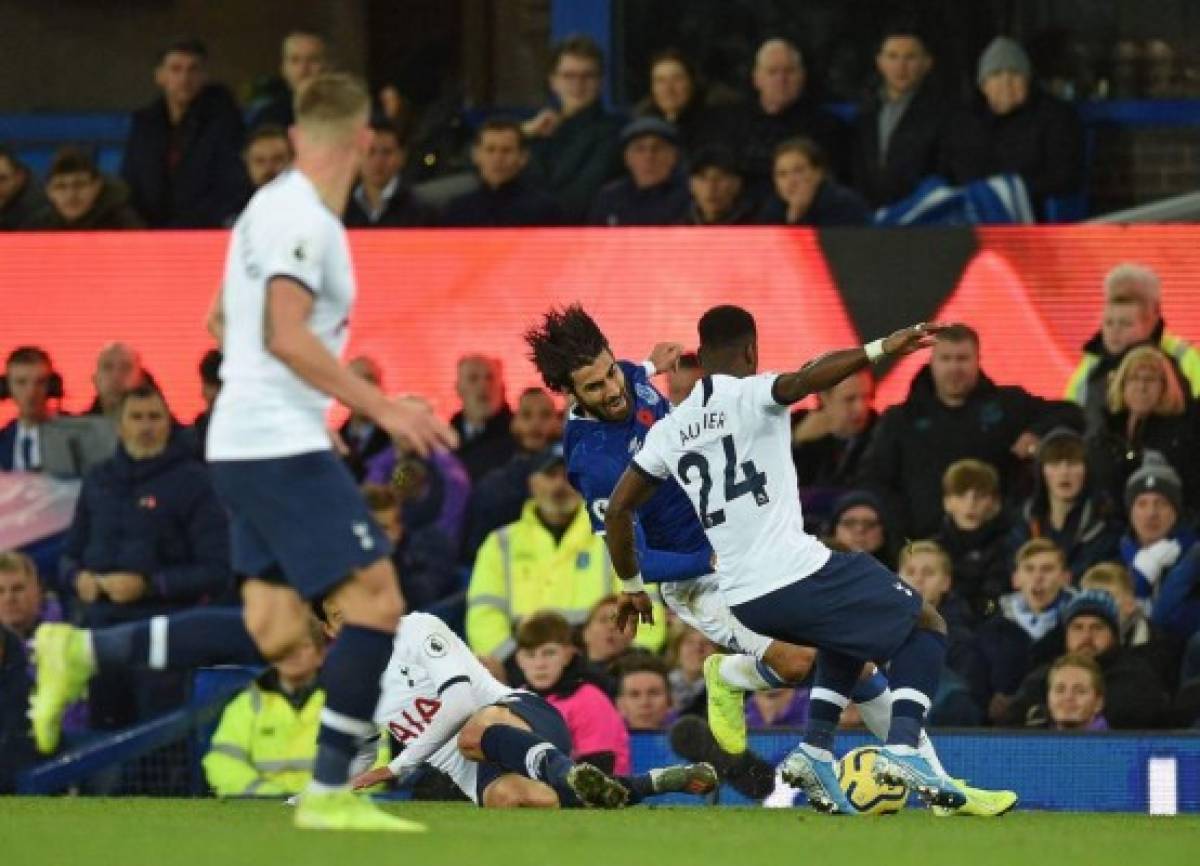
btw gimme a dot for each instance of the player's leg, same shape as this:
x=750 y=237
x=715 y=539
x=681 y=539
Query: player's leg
x=810 y=766
x=511 y=791
x=67 y=658
x=525 y=735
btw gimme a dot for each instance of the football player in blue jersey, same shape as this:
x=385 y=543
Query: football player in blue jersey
x=615 y=405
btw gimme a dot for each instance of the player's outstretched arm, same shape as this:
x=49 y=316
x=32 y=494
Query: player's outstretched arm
x=288 y=338
x=827 y=370
x=632 y=491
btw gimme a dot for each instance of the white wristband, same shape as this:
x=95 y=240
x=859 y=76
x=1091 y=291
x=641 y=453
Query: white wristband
x=634 y=584
x=650 y=368
x=874 y=350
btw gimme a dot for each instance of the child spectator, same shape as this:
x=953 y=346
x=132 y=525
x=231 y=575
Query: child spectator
x=1075 y=695
x=1041 y=582
x=267 y=738
x=1065 y=507
x=686 y=653
x=553 y=668
x=1138 y=634
x=644 y=692
x=974 y=532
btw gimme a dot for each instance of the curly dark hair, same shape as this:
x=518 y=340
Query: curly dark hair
x=567 y=339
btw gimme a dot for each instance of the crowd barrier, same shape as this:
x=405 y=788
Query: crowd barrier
x=428 y=296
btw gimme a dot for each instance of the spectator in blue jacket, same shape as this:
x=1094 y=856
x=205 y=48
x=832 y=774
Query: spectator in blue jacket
x=183 y=160
x=1158 y=538
x=149 y=534
x=806 y=193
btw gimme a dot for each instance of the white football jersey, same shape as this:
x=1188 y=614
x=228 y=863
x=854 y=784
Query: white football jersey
x=428 y=658
x=265 y=410
x=729 y=445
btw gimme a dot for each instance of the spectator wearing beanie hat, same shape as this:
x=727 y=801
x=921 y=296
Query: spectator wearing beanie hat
x=716 y=184
x=1157 y=538
x=1014 y=128
x=1135 y=696
x=856 y=524
x=1065 y=506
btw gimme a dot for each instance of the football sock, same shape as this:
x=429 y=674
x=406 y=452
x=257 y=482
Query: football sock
x=835 y=677
x=877 y=716
x=526 y=753
x=639 y=787
x=746 y=673
x=206 y=636
x=350 y=678
x=914 y=674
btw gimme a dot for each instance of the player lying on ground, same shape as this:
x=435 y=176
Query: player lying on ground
x=779 y=580
x=615 y=406
x=503 y=747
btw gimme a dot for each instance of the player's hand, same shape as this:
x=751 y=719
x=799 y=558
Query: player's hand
x=123 y=587
x=87 y=588
x=909 y=340
x=632 y=608
x=412 y=419
x=664 y=356
x=1026 y=446
x=371 y=778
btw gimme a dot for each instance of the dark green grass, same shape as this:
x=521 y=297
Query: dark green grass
x=100 y=832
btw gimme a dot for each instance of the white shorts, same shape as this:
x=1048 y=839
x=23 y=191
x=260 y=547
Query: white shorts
x=700 y=604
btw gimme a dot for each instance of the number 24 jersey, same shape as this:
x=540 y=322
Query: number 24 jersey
x=729 y=447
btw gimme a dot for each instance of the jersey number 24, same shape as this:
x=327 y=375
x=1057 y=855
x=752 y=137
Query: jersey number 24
x=694 y=464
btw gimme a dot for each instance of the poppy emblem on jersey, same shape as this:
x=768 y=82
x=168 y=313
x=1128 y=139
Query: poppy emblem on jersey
x=435 y=646
x=148 y=502
x=645 y=417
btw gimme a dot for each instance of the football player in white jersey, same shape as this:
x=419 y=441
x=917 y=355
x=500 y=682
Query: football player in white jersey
x=503 y=747
x=299 y=527
x=728 y=446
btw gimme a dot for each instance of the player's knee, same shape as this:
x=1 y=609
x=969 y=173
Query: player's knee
x=931 y=620
x=276 y=620
x=470 y=735
x=371 y=597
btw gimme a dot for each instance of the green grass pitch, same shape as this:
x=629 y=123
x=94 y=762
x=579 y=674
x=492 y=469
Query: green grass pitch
x=133 y=832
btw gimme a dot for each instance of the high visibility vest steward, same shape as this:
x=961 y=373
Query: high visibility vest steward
x=520 y=570
x=1184 y=354
x=263 y=746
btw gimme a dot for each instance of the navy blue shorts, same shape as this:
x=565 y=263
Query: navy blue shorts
x=853 y=605
x=543 y=720
x=299 y=520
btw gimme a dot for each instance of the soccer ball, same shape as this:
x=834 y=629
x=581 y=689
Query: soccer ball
x=868 y=796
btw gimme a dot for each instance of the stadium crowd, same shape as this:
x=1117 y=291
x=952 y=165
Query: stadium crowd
x=1056 y=537
x=772 y=155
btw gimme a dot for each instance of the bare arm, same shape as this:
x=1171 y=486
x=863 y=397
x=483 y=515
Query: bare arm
x=632 y=491
x=288 y=338
x=827 y=370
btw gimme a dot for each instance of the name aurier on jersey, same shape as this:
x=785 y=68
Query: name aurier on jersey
x=708 y=421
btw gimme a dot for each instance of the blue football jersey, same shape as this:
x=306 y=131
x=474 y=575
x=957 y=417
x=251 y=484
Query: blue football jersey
x=597 y=453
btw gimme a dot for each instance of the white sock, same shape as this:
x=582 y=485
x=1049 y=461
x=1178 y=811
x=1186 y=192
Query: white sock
x=741 y=672
x=315 y=787
x=877 y=716
x=782 y=796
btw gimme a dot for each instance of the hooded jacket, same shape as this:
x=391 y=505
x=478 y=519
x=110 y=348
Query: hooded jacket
x=915 y=441
x=980 y=559
x=158 y=517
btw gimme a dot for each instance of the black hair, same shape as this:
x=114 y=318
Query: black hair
x=577 y=45
x=264 y=131
x=904 y=26
x=187 y=45
x=689 y=361
x=725 y=327
x=141 y=392
x=641 y=662
x=387 y=127
x=568 y=339
x=210 y=367
x=959 y=333
x=502 y=124
x=70 y=159
x=29 y=355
